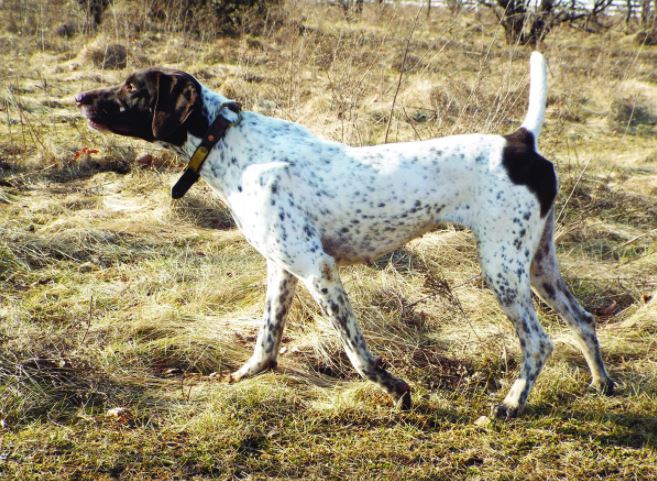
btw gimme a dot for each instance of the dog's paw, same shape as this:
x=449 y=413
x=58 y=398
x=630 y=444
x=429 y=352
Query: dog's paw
x=251 y=369
x=606 y=386
x=502 y=411
x=404 y=400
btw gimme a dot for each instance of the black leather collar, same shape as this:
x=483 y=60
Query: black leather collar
x=215 y=133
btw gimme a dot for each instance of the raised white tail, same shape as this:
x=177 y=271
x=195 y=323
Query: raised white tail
x=537 y=94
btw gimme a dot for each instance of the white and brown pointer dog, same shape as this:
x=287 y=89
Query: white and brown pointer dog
x=308 y=204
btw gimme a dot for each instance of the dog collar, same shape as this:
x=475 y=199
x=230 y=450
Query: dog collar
x=215 y=133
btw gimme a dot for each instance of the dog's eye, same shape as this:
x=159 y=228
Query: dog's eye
x=130 y=87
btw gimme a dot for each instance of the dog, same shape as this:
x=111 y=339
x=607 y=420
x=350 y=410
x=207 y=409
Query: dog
x=308 y=204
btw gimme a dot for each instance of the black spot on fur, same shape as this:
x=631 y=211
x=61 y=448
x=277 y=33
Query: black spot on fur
x=526 y=167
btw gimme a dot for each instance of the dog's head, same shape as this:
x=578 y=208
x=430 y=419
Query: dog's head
x=152 y=104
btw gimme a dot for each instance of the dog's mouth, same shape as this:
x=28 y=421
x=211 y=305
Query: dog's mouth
x=110 y=122
x=95 y=118
x=96 y=122
x=97 y=126
x=93 y=121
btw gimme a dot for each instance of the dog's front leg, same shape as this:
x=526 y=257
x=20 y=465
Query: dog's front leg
x=326 y=288
x=280 y=292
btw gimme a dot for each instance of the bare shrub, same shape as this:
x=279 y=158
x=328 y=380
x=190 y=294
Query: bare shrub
x=94 y=10
x=634 y=108
x=110 y=56
x=525 y=24
x=631 y=112
x=66 y=30
x=646 y=37
x=214 y=17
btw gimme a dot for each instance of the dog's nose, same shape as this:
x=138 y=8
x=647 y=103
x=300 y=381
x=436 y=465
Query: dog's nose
x=81 y=98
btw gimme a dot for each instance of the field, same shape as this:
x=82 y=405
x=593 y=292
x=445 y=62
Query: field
x=121 y=310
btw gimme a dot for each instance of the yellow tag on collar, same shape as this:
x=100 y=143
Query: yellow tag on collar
x=197 y=159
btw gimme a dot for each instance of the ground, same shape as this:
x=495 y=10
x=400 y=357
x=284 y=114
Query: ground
x=121 y=310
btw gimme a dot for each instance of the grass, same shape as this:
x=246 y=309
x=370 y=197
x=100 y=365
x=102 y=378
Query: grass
x=114 y=296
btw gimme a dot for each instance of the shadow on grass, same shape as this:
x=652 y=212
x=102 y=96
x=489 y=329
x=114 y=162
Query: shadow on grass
x=631 y=430
x=425 y=416
x=102 y=248
x=86 y=169
x=55 y=389
x=18 y=176
x=203 y=210
x=605 y=428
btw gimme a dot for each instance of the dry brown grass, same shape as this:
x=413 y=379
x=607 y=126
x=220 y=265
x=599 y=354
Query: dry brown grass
x=115 y=296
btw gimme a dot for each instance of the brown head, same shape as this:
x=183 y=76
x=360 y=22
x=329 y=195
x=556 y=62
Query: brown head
x=153 y=104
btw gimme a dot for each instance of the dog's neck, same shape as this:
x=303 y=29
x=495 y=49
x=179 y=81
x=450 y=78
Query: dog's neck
x=211 y=107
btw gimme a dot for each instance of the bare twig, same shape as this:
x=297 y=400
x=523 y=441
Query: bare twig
x=447 y=289
x=572 y=191
x=410 y=122
x=401 y=75
x=89 y=317
x=634 y=239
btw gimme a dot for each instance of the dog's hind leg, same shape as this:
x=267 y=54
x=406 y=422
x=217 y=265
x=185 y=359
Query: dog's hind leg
x=546 y=279
x=506 y=270
x=280 y=292
x=535 y=343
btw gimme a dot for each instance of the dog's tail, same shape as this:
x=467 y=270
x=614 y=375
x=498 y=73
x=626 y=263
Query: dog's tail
x=537 y=94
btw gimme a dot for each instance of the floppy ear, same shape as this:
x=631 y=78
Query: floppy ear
x=176 y=96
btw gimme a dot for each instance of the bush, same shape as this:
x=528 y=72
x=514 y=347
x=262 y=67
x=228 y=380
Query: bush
x=111 y=56
x=634 y=108
x=66 y=30
x=646 y=37
x=94 y=10
x=216 y=17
